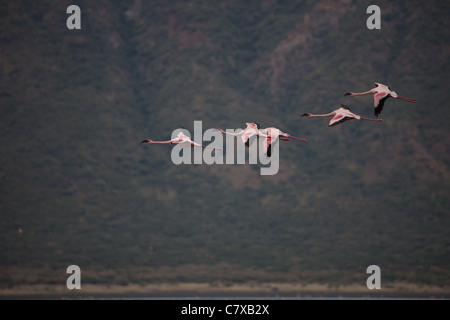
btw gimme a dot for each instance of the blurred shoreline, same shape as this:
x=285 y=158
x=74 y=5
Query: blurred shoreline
x=198 y=290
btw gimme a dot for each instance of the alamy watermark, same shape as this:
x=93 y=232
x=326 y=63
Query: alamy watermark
x=235 y=149
x=73 y=281
x=74 y=20
x=374 y=21
x=373 y=281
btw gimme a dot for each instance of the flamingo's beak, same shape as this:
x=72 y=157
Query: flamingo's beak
x=348 y=94
x=145 y=141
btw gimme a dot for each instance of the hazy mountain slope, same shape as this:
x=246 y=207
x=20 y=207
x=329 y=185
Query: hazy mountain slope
x=76 y=103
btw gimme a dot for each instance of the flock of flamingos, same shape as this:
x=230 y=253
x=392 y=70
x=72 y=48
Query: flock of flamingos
x=380 y=93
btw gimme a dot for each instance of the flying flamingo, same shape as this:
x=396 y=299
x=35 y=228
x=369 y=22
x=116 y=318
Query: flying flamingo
x=381 y=93
x=339 y=116
x=274 y=134
x=251 y=130
x=181 y=139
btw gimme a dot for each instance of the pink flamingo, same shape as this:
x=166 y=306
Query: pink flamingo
x=381 y=93
x=339 y=116
x=274 y=134
x=251 y=130
x=181 y=139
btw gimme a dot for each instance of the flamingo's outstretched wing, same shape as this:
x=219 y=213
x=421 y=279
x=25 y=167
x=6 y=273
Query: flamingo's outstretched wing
x=378 y=102
x=269 y=150
x=247 y=135
x=337 y=119
x=266 y=145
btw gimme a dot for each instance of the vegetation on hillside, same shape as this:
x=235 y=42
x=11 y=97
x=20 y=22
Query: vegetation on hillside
x=75 y=105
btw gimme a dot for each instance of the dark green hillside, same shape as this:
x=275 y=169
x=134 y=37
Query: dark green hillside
x=75 y=105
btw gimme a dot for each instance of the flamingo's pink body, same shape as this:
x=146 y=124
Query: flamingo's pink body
x=380 y=93
x=272 y=135
x=251 y=130
x=339 y=116
x=181 y=139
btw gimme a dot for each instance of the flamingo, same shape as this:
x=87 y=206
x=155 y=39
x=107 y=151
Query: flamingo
x=380 y=93
x=251 y=130
x=272 y=134
x=339 y=116
x=181 y=139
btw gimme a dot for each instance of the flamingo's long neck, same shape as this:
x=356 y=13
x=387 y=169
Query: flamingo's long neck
x=361 y=93
x=321 y=115
x=231 y=133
